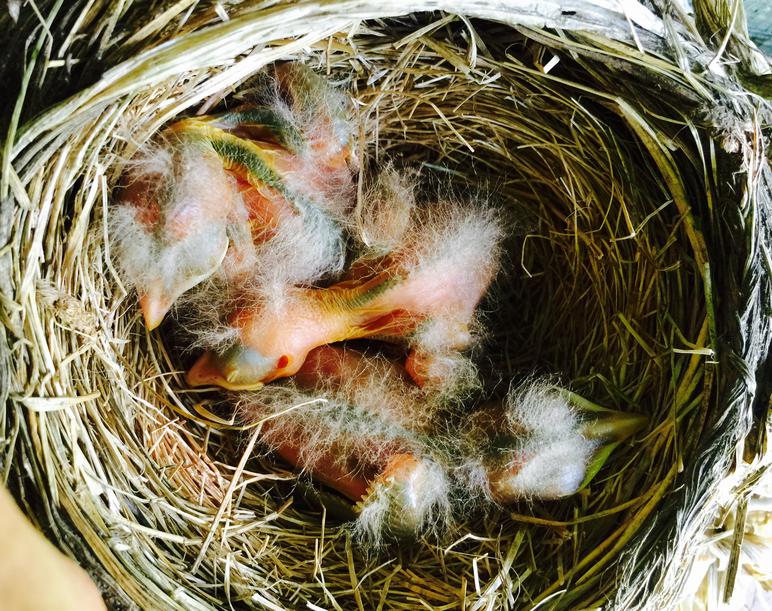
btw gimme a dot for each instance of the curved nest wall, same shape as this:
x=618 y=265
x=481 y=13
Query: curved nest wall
x=639 y=275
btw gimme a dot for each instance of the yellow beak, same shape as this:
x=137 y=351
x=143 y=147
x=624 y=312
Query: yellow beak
x=208 y=371
x=154 y=304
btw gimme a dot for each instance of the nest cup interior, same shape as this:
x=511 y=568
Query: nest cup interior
x=602 y=287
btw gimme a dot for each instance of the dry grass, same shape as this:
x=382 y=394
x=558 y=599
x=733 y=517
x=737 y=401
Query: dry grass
x=639 y=274
x=733 y=568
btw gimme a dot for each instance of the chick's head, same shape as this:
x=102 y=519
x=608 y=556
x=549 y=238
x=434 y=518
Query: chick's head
x=169 y=227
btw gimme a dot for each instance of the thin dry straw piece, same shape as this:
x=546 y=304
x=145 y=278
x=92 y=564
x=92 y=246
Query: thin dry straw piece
x=606 y=290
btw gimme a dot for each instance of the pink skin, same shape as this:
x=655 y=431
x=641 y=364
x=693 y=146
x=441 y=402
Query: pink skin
x=500 y=482
x=263 y=211
x=348 y=475
x=388 y=306
x=330 y=156
x=335 y=366
x=351 y=375
x=381 y=386
x=328 y=149
x=491 y=421
x=168 y=227
x=350 y=480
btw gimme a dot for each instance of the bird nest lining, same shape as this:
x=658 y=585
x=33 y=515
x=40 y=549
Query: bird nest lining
x=636 y=276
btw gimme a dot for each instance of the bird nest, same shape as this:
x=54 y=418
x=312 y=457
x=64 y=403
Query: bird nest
x=626 y=142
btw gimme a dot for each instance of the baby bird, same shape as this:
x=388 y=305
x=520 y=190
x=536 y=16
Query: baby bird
x=272 y=212
x=423 y=294
x=384 y=222
x=297 y=183
x=357 y=438
x=536 y=445
x=298 y=113
x=168 y=228
x=182 y=204
x=241 y=177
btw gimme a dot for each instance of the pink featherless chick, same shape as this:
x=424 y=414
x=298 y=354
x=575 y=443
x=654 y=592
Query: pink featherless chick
x=536 y=444
x=291 y=156
x=238 y=177
x=362 y=440
x=167 y=227
x=433 y=281
x=309 y=125
x=193 y=198
x=384 y=224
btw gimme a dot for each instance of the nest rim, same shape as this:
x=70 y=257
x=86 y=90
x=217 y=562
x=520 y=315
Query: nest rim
x=73 y=480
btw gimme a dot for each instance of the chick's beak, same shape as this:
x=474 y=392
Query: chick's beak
x=154 y=304
x=205 y=371
x=238 y=368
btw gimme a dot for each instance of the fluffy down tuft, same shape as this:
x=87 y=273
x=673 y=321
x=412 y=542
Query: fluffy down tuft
x=385 y=213
x=320 y=424
x=416 y=499
x=324 y=115
x=531 y=447
x=167 y=228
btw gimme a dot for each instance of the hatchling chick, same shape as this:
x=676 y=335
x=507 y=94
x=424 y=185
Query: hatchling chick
x=274 y=229
x=535 y=445
x=310 y=124
x=292 y=153
x=385 y=221
x=167 y=228
x=351 y=430
x=425 y=292
x=240 y=179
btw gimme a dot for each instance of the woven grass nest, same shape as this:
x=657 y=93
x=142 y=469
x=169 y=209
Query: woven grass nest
x=628 y=134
